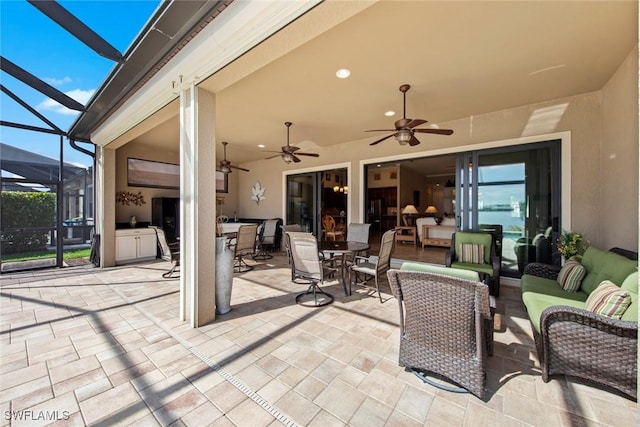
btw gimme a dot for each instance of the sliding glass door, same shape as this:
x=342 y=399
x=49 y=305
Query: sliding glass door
x=314 y=194
x=515 y=192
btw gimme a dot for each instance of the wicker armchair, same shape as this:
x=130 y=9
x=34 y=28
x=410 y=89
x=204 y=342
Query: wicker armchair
x=576 y=342
x=490 y=268
x=455 y=349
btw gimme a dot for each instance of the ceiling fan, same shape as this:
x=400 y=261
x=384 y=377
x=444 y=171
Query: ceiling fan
x=289 y=153
x=405 y=128
x=225 y=165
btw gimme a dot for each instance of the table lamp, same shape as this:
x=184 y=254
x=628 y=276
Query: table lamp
x=408 y=211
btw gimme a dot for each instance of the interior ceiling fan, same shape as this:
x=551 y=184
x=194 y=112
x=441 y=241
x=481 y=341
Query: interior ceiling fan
x=289 y=153
x=225 y=165
x=405 y=128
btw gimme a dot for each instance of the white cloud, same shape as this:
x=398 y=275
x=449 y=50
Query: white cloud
x=57 y=82
x=82 y=96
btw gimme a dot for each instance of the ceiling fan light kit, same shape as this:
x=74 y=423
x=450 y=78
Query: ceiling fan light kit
x=404 y=131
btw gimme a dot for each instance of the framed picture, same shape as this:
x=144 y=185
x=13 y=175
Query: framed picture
x=393 y=175
x=149 y=173
x=327 y=177
x=337 y=178
x=376 y=176
x=222 y=182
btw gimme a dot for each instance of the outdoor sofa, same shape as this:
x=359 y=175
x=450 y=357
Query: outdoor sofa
x=573 y=341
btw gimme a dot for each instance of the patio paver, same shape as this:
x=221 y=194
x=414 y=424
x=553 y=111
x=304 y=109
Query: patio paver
x=106 y=346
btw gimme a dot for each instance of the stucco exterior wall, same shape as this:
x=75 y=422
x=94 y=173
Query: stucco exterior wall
x=619 y=157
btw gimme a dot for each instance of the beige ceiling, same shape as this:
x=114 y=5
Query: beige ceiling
x=461 y=59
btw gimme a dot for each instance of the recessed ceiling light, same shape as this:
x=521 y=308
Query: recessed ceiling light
x=343 y=73
x=378 y=165
x=390 y=113
x=261 y=145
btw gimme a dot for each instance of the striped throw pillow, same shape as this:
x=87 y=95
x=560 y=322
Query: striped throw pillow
x=571 y=275
x=471 y=252
x=609 y=300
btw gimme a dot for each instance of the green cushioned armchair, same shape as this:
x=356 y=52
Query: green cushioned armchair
x=491 y=263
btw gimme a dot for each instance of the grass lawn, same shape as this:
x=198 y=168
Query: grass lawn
x=67 y=255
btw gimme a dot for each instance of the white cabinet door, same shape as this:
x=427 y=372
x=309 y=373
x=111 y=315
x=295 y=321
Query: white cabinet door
x=147 y=246
x=126 y=248
x=135 y=245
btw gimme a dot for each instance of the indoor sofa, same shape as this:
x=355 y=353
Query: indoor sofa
x=574 y=341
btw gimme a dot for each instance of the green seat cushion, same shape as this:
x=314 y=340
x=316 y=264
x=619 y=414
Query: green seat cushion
x=630 y=284
x=537 y=303
x=530 y=284
x=604 y=265
x=480 y=268
x=454 y=272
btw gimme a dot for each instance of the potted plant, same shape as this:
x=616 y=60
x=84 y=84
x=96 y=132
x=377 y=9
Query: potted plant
x=571 y=245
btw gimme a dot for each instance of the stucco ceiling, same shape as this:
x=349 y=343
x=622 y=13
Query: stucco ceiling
x=461 y=59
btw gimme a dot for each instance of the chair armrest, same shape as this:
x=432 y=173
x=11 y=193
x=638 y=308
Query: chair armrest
x=448 y=257
x=547 y=271
x=580 y=343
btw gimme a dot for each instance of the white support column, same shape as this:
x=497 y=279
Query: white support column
x=105 y=209
x=197 y=206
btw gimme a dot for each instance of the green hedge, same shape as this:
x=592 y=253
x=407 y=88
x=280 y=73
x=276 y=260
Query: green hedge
x=21 y=209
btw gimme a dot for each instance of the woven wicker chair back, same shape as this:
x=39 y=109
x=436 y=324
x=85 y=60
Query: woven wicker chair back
x=328 y=223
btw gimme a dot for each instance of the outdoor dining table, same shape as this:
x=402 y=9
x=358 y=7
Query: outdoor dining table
x=230 y=229
x=340 y=248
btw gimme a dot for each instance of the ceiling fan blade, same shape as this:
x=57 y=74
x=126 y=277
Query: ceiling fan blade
x=415 y=122
x=381 y=139
x=295 y=159
x=402 y=123
x=413 y=141
x=273 y=157
x=308 y=154
x=436 y=131
x=381 y=130
x=239 y=168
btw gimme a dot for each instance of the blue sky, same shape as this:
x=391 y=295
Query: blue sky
x=31 y=40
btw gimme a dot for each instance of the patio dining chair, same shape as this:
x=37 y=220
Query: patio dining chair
x=168 y=252
x=308 y=266
x=245 y=245
x=374 y=267
x=266 y=239
x=357 y=232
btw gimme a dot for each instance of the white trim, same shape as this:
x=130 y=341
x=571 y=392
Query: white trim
x=565 y=151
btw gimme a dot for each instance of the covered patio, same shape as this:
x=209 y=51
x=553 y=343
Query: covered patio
x=105 y=346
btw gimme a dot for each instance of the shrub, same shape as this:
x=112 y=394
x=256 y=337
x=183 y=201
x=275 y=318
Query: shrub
x=20 y=212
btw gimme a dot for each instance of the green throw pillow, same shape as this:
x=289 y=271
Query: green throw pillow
x=608 y=300
x=571 y=275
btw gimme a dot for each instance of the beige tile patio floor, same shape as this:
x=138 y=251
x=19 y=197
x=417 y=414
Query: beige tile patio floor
x=84 y=346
